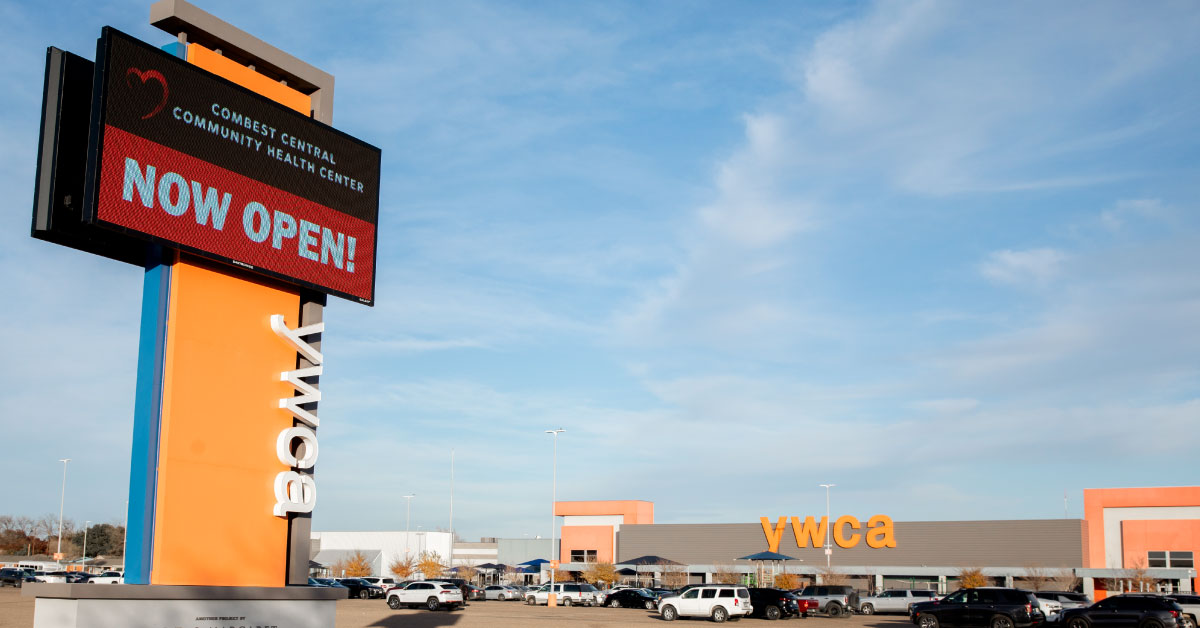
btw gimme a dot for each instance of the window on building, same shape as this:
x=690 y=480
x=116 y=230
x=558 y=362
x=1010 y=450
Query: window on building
x=1173 y=560
x=583 y=556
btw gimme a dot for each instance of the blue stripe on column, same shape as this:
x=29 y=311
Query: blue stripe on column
x=147 y=415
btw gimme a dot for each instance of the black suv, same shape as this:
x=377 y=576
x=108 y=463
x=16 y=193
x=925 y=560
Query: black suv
x=1136 y=611
x=773 y=603
x=13 y=577
x=994 y=607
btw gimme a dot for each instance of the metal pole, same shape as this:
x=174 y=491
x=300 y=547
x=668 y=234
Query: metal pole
x=86 y=525
x=125 y=539
x=451 y=561
x=553 y=501
x=62 y=500
x=407 y=521
x=828 y=526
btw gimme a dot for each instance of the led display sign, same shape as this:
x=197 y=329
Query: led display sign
x=185 y=158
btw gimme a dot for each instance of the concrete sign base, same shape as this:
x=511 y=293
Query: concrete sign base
x=157 y=606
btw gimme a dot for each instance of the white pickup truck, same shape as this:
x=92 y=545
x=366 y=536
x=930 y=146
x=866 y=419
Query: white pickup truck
x=894 y=601
x=428 y=593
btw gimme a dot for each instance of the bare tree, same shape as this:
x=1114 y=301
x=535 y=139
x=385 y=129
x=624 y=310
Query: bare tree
x=1064 y=580
x=1138 y=578
x=831 y=576
x=673 y=576
x=725 y=574
x=1037 y=578
x=468 y=572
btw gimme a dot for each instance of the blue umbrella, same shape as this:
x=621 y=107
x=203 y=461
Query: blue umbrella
x=767 y=556
x=537 y=562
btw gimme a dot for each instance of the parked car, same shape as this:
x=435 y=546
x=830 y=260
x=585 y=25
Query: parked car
x=995 y=607
x=715 y=601
x=774 y=603
x=632 y=598
x=57 y=577
x=894 y=601
x=500 y=592
x=1051 y=608
x=361 y=589
x=383 y=582
x=430 y=594
x=469 y=591
x=1191 y=608
x=313 y=582
x=833 y=600
x=1132 y=610
x=1068 y=599
x=565 y=593
x=12 y=577
x=108 y=577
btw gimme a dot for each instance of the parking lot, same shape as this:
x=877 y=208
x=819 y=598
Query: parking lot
x=16 y=611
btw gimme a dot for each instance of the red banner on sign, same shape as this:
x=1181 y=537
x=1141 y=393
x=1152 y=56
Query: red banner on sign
x=161 y=192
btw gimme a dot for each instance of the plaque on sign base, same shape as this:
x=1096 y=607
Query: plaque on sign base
x=166 y=606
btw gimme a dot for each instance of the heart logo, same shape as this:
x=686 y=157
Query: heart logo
x=146 y=77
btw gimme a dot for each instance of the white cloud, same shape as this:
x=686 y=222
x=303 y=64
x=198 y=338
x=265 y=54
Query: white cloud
x=1032 y=266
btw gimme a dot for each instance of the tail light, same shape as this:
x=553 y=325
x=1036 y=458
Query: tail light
x=735 y=601
x=1175 y=614
x=1029 y=608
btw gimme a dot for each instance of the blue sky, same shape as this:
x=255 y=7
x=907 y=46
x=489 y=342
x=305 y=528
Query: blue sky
x=941 y=254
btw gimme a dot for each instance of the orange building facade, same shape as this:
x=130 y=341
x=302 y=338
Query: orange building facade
x=589 y=528
x=1143 y=528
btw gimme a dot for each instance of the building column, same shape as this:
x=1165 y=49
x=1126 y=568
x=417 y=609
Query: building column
x=941 y=585
x=1089 y=587
x=1008 y=581
x=878 y=583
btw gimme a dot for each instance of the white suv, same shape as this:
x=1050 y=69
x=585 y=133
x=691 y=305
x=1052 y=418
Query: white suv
x=715 y=601
x=430 y=594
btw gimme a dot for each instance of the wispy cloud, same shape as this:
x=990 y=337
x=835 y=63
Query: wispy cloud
x=1033 y=266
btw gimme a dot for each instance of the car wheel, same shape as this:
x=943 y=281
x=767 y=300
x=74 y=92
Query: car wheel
x=719 y=614
x=928 y=620
x=1187 y=621
x=529 y=600
x=394 y=603
x=773 y=612
x=1002 y=621
x=432 y=604
x=834 y=610
x=364 y=594
x=867 y=609
x=649 y=605
x=614 y=603
x=669 y=613
x=566 y=601
x=1151 y=623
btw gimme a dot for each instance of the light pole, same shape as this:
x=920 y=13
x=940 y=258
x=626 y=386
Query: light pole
x=553 y=500
x=828 y=546
x=62 y=500
x=407 y=521
x=86 y=525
